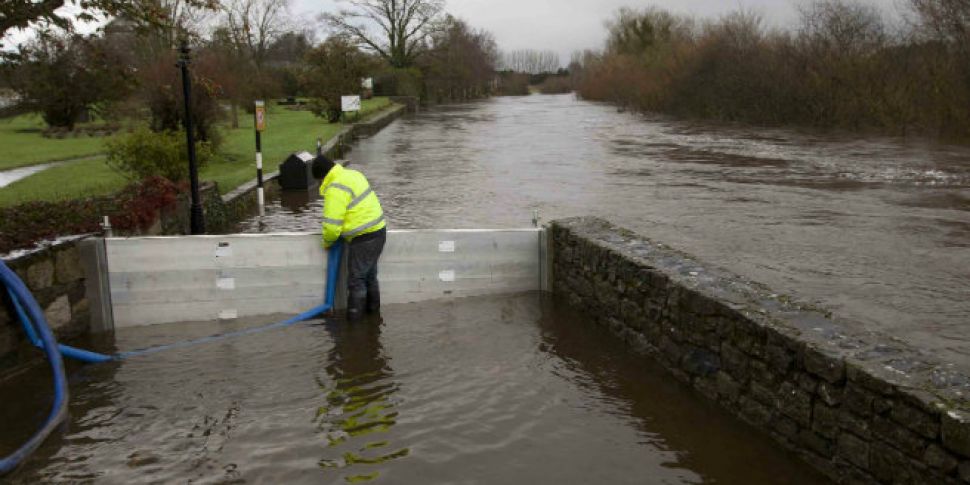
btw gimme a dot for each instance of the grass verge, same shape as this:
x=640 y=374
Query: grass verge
x=24 y=144
x=287 y=131
x=73 y=180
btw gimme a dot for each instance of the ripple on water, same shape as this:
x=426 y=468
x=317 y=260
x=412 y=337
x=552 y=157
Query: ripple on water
x=509 y=389
x=490 y=164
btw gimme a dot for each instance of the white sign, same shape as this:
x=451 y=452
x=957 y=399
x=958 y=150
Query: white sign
x=350 y=103
x=367 y=83
x=447 y=276
x=446 y=246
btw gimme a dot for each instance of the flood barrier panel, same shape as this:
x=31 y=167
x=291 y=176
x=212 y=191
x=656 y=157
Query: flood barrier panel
x=153 y=280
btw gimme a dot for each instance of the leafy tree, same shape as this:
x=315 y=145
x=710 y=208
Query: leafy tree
x=63 y=76
x=162 y=92
x=22 y=14
x=334 y=69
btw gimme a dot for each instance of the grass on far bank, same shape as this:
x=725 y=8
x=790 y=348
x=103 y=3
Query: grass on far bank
x=286 y=132
x=24 y=144
x=72 y=180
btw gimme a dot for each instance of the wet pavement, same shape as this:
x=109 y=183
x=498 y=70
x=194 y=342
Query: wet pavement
x=876 y=229
x=508 y=389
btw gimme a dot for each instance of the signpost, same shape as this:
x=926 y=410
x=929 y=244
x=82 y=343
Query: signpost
x=260 y=123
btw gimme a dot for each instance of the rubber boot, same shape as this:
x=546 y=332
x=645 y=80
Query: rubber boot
x=373 y=301
x=355 y=307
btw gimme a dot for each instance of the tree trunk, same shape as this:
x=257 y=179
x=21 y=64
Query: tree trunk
x=235 y=115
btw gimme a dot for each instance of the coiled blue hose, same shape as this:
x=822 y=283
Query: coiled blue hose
x=35 y=326
x=21 y=295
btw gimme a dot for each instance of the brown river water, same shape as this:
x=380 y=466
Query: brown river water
x=876 y=229
x=508 y=389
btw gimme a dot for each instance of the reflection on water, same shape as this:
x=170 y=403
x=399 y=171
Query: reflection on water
x=874 y=228
x=504 y=389
x=360 y=406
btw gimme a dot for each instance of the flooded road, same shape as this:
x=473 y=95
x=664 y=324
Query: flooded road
x=508 y=389
x=877 y=229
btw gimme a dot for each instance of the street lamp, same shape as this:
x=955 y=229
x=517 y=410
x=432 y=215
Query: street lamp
x=198 y=218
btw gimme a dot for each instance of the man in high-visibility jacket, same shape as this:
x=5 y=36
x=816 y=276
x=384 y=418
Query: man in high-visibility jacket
x=352 y=210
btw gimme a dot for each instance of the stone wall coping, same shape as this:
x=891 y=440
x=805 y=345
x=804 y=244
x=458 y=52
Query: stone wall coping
x=248 y=187
x=881 y=362
x=859 y=405
x=18 y=255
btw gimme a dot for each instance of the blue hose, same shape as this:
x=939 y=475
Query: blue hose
x=333 y=272
x=21 y=295
x=35 y=326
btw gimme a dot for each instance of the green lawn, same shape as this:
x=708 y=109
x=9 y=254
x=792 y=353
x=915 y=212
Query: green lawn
x=286 y=132
x=69 y=181
x=24 y=145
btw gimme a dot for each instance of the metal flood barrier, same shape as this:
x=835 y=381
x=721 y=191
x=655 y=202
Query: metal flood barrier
x=153 y=280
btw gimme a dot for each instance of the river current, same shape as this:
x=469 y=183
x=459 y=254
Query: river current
x=875 y=228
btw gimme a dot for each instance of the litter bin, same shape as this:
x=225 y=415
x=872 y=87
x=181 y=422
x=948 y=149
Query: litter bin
x=296 y=172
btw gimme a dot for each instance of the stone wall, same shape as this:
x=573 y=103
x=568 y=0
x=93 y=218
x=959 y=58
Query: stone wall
x=55 y=277
x=861 y=407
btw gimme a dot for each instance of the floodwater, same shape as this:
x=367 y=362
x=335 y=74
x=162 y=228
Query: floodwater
x=876 y=229
x=504 y=389
x=8 y=177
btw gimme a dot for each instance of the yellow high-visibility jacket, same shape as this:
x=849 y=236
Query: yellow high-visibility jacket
x=350 y=206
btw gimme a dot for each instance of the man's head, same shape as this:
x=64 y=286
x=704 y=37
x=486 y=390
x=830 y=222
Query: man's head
x=321 y=167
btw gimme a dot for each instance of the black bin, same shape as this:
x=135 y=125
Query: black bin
x=296 y=172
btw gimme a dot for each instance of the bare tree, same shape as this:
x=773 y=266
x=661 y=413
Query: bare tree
x=460 y=62
x=394 y=29
x=254 y=25
x=180 y=19
x=947 y=19
x=531 y=61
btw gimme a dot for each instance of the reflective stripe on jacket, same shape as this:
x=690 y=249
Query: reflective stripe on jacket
x=350 y=206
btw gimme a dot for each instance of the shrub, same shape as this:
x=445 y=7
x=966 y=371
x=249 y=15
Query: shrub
x=144 y=153
x=162 y=93
x=399 y=82
x=132 y=209
x=513 y=84
x=556 y=85
x=842 y=66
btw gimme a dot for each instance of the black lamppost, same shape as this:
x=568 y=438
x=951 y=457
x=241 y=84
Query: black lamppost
x=198 y=218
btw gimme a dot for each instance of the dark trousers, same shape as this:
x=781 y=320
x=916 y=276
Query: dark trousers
x=362 y=268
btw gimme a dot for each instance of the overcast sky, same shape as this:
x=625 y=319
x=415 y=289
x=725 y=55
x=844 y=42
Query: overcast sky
x=566 y=26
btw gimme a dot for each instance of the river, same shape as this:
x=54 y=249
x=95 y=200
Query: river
x=493 y=390
x=875 y=228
